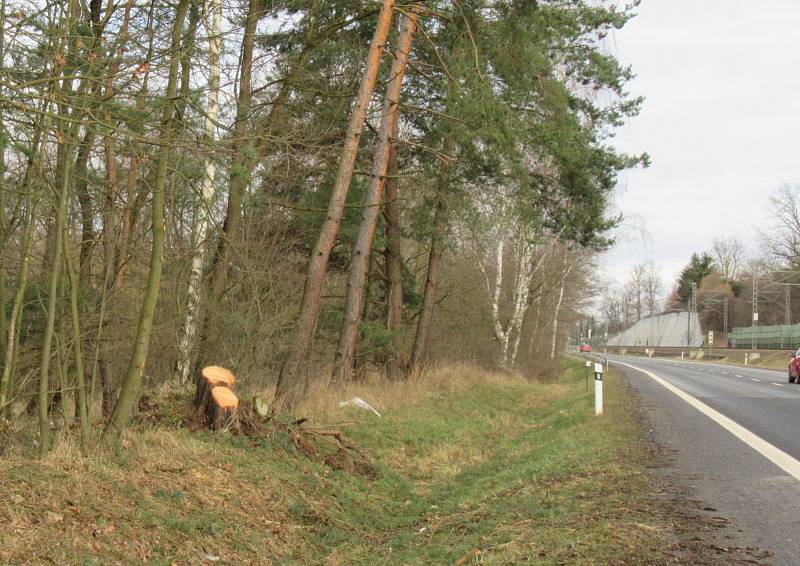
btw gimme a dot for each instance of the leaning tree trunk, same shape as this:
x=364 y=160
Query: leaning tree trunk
x=501 y=335
x=291 y=384
x=203 y=210
x=522 y=288
x=130 y=387
x=354 y=306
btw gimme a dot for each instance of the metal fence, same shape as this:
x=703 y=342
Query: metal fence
x=781 y=336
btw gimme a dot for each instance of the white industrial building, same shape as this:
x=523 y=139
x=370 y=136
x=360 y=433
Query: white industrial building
x=665 y=330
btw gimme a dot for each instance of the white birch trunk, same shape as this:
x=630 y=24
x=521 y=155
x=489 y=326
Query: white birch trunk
x=525 y=274
x=499 y=332
x=525 y=269
x=213 y=9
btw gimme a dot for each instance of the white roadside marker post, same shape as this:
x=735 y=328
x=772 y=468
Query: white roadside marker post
x=598 y=389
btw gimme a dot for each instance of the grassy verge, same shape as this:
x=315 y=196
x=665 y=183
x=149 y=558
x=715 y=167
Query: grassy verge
x=468 y=468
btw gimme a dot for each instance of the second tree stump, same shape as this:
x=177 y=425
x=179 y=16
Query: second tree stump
x=222 y=408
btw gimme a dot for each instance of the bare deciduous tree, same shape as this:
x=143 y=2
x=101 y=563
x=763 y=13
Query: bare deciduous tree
x=782 y=239
x=728 y=255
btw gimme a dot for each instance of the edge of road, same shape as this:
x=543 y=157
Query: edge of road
x=714 y=364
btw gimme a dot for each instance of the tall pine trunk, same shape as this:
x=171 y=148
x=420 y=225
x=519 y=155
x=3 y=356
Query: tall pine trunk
x=394 y=267
x=354 y=306
x=130 y=387
x=291 y=384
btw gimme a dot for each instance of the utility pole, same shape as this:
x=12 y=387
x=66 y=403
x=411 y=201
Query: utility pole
x=725 y=316
x=788 y=305
x=754 y=323
x=692 y=310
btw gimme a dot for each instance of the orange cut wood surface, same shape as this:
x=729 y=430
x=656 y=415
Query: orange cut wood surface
x=217 y=375
x=224 y=397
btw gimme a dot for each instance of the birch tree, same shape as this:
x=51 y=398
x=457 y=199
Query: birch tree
x=526 y=256
x=213 y=10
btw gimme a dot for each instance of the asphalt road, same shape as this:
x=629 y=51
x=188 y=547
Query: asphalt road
x=727 y=474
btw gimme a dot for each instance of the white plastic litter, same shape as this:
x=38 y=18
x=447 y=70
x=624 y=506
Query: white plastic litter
x=359 y=402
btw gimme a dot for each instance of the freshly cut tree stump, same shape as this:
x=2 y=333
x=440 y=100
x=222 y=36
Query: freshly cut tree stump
x=222 y=408
x=210 y=377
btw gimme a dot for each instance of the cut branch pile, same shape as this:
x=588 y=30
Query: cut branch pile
x=333 y=448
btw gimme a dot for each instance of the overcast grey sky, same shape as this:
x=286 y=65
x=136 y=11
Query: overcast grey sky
x=721 y=123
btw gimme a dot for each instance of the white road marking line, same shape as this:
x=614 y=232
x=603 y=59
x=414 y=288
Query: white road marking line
x=724 y=373
x=777 y=384
x=737 y=375
x=772 y=453
x=692 y=364
x=754 y=379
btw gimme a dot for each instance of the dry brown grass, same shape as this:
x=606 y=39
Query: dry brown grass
x=322 y=403
x=160 y=493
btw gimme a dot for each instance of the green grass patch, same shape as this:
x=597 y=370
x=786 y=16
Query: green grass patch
x=501 y=472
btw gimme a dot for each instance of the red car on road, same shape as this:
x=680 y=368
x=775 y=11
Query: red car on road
x=794 y=367
x=585 y=348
